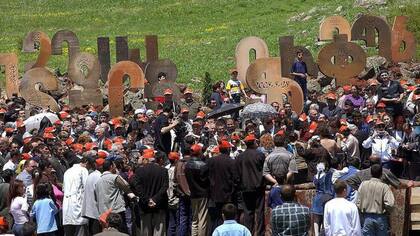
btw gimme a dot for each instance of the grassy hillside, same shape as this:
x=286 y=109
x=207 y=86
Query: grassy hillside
x=198 y=35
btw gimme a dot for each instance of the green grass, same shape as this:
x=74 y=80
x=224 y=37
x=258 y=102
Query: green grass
x=198 y=35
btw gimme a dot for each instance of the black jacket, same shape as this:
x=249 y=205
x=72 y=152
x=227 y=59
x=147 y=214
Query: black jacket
x=151 y=181
x=223 y=178
x=197 y=173
x=250 y=166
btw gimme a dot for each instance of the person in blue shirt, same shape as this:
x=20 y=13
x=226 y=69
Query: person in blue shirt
x=230 y=227
x=300 y=73
x=353 y=165
x=44 y=210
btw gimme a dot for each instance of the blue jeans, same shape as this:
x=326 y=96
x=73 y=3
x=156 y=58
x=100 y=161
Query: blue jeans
x=17 y=229
x=172 y=222
x=375 y=225
x=184 y=216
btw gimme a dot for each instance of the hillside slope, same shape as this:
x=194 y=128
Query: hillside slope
x=198 y=35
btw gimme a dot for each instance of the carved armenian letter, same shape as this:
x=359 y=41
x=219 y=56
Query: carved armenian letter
x=37 y=40
x=264 y=77
x=400 y=35
x=365 y=28
x=242 y=54
x=84 y=71
x=35 y=80
x=10 y=62
x=331 y=23
x=115 y=87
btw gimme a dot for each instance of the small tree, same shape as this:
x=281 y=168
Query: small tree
x=207 y=88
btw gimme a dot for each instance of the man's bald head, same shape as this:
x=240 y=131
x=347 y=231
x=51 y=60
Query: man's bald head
x=288 y=193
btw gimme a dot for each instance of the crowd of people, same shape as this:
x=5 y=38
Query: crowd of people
x=174 y=171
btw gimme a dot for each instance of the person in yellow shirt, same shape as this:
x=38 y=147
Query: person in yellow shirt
x=235 y=88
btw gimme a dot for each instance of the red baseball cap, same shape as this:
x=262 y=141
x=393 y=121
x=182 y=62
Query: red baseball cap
x=250 y=138
x=100 y=162
x=196 y=149
x=174 y=156
x=103 y=154
x=224 y=144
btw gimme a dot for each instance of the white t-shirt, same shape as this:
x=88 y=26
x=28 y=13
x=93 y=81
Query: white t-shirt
x=10 y=165
x=19 y=210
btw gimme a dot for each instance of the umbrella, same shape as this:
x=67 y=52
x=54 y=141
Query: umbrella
x=258 y=110
x=225 y=109
x=34 y=121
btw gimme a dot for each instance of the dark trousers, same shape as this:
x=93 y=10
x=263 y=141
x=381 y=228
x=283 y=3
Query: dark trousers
x=303 y=85
x=236 y=98
x=185 y=216
x=123 y=227
x=76 y=230
x=254 y=211
x=94 y=226
x=173 y=215
x=48 y=234
x=215 y=214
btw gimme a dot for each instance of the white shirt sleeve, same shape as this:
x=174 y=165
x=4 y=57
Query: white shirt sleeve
x=327 y=220
x=357 y=231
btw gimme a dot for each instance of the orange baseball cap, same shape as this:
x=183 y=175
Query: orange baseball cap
x=78 y=146
x=224 y=144
x=347 y=88
x=48 y=136
x=49 y=129
x=343 y=128
x=26 y=156
x=312 y=127
x=200 y=115
x=250 y=138
x=100 y=162
x=281 y=133
x=331 y=96
x=64 y=115
x=103 y=154
x=196 y=149
x=148 y=155
x=3 y=222
x=174 y=156
x=69 y=141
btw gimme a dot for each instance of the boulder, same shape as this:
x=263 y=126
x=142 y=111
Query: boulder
x=369 y=3
x=375 y=62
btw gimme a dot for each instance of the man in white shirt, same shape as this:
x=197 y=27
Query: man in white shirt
x=11 y=164
x=381 y=143
x=341 y=217
x=74 y=186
